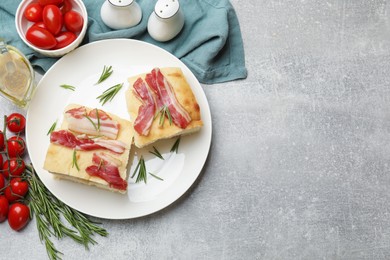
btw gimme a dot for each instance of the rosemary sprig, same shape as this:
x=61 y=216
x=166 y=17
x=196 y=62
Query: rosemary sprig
x=48 y=212
x=66 y=86
x=98 y=118
x=141 y=170
x=109 y=94
x=175 y=146
x=155 y=176
x=156 y=153
x=44 y=232
x=97 y=127
x=74 y=160
x=107 y=71
x=51 y=129
x=164 y=112
x=84 y=227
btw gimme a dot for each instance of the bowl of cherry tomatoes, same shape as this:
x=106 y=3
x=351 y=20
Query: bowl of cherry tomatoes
x=52 y=27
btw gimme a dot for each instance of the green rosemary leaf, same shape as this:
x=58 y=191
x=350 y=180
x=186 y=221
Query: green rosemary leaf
x=107 y=71
x=141 y=170
x=162 y=116
x=155 y=176
x=169 y=115
x=98 y=119
x=53 y=126
x=164 y=112
x=44 y=235
x=74 y=161
x=136 y=168
x=156 y=153
x=142 y=176
x=109 y=94
x=175 y=147
x=48 y=212
x=93 y=123
x=66 y=86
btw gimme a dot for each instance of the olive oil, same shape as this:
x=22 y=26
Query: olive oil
x=16 y=75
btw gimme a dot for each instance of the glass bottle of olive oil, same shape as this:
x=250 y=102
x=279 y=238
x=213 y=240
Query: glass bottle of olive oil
x=16 y=75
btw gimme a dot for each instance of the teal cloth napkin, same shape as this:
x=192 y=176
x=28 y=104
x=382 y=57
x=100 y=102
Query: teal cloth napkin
x=210 y=42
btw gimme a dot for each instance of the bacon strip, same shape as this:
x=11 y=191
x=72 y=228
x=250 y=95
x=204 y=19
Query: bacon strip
x=94 y=113
x=115 y=146
x=81 y=122
x=78 y=112
x=100 y=157
x=160 y=93
x=151 y=80
x=106 y=168
x=84 y=143
x=180 y=116
x=147 y=110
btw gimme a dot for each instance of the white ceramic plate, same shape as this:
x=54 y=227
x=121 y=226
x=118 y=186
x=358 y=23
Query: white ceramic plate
x=81 y=68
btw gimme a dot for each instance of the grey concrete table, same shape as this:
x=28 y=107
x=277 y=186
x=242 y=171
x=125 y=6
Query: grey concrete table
x=299 y=163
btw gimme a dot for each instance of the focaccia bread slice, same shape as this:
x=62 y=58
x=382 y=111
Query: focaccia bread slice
x=162 y=128
x=60 y=159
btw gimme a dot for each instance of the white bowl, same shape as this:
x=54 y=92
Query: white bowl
x=22 y=25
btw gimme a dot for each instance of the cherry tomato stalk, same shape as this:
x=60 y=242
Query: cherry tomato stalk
x=13 y=192
x=18 y=148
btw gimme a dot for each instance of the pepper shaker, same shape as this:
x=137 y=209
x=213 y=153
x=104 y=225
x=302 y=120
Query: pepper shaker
x=120 y=14
x=166 y=21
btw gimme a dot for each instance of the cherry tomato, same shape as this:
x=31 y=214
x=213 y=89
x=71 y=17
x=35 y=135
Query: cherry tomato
x=18 y=216
x=16 y=147
x=66 y=7
x=40 y=38
x=1 y=141
x=13 y=167
x=64 y=39
x=1 y=162
x=50 y=2
x=4 y=204
x=11 y=197
x=73 y=21
x=40 y=24
x=17 y=189
x=33 y=12
x=16 y=122
x=2 y=182
x=52 y=18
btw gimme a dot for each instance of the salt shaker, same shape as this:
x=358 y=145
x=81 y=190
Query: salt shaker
x=166 y=21
x=120 y=14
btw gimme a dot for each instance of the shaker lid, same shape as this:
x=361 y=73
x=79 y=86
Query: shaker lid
x=121 y=3
x=166 y=8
